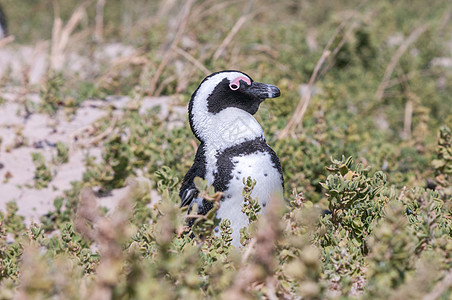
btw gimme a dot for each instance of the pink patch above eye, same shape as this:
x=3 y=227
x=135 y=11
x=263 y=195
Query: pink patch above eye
x=235 y=84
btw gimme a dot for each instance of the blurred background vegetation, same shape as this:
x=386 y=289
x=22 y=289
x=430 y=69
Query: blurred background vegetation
x=366 y=79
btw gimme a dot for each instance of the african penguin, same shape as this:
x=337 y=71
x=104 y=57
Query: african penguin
x=3 y=27
x=232 y=146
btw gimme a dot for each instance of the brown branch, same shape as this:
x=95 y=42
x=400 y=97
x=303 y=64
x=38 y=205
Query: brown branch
x=297 y=117
x=445 y=19
x=136 y=58
x=6 y=40
x=407 y=77
x=339 y=46
x=402 y=193
x=440 y=288
x=271 y=284
x=166 y=57
x=164 y=84
x=99 y=31
x=395 y=59
x=105 y=133
x=204 y=12
x=248 y=250
x=61 y=34
x=228 y=39
x=300 y=110
x=408 y=117
x=193 y=60
x=196 y=217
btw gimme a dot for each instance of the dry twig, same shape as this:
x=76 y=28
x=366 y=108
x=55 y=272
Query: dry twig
x=440 y=288
x=166 y=57
x=105 y=133
x=402 y=193
x=341 y=44
x=271 y=288
x=164 y=84
x=228 y=39
x=99 y=31
x=203 y=217
x=395 y=59
x=407 y=120
x=297 y=117
x=407 y=77
x=445 y=19
x=248 y=250
x=218 y=5
x=61 y=34
x=193 y=60
x=136 y=58
x=7 y=40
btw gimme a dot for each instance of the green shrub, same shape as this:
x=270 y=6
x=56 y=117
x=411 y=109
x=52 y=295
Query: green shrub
x=375 y=229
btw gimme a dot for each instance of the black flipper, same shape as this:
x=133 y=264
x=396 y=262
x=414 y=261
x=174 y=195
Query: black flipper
x=3 y=25
x=187 y=196
x=188 y=189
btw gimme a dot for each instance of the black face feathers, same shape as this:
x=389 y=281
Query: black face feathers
x=223 y=97
x=247 y=97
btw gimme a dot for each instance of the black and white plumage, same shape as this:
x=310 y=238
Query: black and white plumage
x=3 y=26
x=232 y=146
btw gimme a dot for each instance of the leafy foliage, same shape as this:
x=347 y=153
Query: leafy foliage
x=375 y=229
x=43 y=173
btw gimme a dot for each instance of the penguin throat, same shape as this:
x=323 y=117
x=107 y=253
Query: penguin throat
x=231 y=126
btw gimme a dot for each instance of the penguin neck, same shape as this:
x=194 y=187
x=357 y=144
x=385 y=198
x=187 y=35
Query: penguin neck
x=230 y=127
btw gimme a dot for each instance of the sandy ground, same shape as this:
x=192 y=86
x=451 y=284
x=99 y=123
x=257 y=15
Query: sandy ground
x=22 y=133
x=40 y=133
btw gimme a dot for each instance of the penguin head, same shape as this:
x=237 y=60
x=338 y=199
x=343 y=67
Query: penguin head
x=226 y=94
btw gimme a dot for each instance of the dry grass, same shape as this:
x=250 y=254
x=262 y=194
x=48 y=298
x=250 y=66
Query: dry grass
x=61 y=33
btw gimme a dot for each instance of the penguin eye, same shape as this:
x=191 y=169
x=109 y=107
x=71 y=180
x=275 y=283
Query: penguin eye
x=234 y=86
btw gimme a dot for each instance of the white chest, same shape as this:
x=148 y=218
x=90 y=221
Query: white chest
x=258 y=166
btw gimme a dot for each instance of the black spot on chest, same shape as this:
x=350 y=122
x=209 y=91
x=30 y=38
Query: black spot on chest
x=226 y=162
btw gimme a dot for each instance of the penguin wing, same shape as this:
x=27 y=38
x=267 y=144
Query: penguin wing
x=3 y=25
x=188 y=190
x=187 y=196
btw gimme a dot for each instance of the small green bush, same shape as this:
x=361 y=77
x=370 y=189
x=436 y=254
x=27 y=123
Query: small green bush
x=376 y=228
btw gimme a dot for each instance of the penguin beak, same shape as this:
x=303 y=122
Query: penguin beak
x=263 y=90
